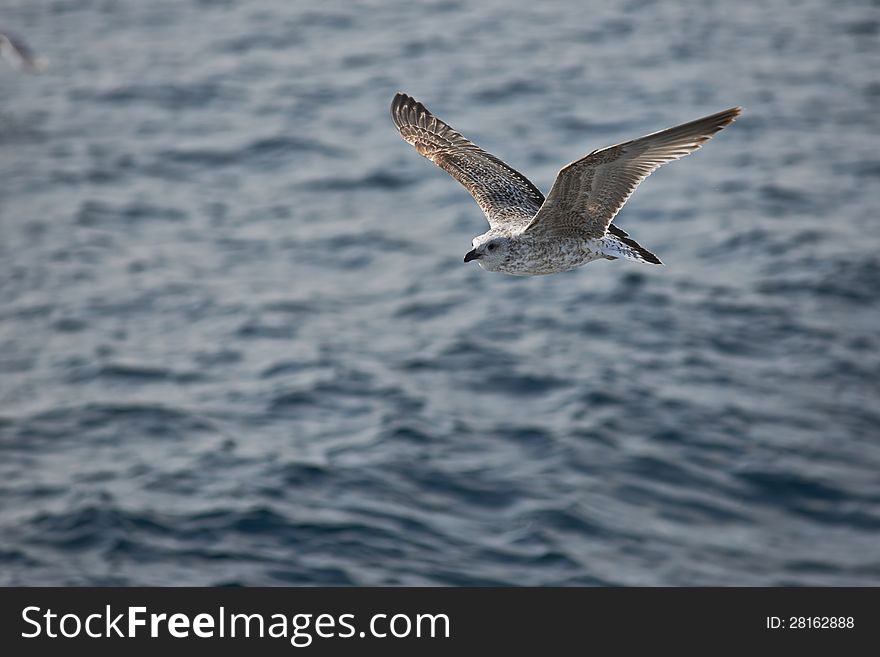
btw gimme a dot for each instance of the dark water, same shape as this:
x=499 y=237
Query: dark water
x=238 y=344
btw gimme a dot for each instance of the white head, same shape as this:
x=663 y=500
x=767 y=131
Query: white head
x=490 y=251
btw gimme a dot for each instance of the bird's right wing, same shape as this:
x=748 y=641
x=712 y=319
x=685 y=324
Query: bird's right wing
x=506 y=197
x=589 y=192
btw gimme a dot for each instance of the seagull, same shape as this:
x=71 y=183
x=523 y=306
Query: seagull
x=19 y=54
x=529 y=235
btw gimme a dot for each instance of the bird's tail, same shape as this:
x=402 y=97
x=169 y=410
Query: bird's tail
x=617 y=244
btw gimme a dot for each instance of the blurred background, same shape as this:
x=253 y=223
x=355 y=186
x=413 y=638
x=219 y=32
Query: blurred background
x=238 y=344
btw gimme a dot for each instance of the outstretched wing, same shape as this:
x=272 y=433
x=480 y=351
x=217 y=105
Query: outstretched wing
x=506 y=197
x=588 y=193
x=19 y=54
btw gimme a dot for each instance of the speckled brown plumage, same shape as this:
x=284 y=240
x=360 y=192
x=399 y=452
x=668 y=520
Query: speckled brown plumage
x=529 y=235
x=505 y=195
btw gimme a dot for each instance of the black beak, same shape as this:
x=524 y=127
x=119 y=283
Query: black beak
x=472 y=255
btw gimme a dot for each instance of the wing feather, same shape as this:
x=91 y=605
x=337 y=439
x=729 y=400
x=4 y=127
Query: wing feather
x=589 y=192
x=507 y=198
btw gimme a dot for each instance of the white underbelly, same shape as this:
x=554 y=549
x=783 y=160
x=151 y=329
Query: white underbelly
x=552 y=258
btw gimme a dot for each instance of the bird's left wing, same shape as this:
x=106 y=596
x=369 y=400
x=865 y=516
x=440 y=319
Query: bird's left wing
x=506 y=197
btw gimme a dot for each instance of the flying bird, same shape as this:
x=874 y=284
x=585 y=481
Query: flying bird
x=529 y=235
x=19 y=55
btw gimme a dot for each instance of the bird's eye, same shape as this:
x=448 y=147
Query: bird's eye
x=492 y=247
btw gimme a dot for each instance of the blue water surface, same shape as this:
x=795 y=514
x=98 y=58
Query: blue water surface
x=238 y=344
